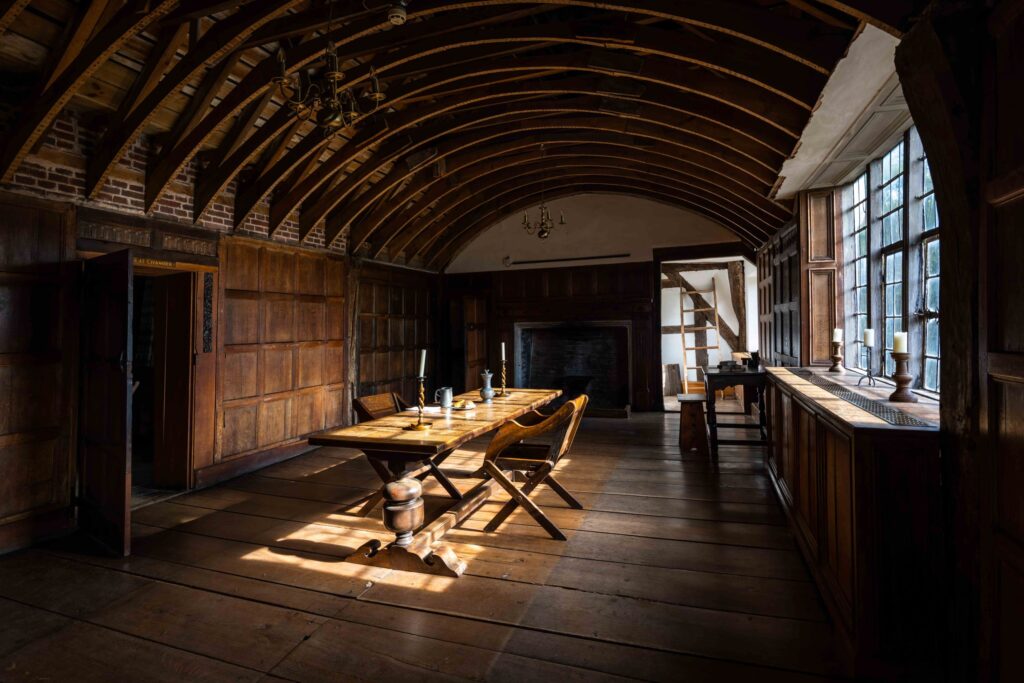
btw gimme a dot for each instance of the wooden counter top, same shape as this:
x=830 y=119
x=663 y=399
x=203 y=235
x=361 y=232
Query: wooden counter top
x=926 y=409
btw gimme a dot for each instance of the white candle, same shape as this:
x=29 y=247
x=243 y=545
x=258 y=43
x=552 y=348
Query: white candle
x=503 y=350
x=869 y=338
x=837 y=334
x=899 y=342
x=423 y=363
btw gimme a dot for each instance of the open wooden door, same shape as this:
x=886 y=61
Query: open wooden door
x=105 y=415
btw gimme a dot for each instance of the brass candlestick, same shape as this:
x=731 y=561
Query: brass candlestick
x=419 y=425
x=837 y=357
x=502 y=392
x=903 y=378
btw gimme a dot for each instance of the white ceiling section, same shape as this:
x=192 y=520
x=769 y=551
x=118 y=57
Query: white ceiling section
x=598 y=224
x=860 y=113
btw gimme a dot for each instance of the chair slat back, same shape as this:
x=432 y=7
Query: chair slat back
x=572 y=426
x=376 y=406
x=513 y=432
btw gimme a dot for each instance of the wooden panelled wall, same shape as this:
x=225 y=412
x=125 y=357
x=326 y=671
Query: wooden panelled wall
x=283 y=330
x=396 y=316
x=778 y=296
x=612 y=292
x=38 y=370
x=800 y=285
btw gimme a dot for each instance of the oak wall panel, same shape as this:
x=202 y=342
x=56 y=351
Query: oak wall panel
x=241 y=318
x=240 y=372
x=284 y=345
x=278 y=318
x=273 y=421
x=310 y=319
x=311 y=365
x=239 y=429
x=396 y=312
x=278 y=368
x=38 y=369
x=241 y=265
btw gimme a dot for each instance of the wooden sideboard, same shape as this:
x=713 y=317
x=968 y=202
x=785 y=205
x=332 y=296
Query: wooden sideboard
x=864 y=500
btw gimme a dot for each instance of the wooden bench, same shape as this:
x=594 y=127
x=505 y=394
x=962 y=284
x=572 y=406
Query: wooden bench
x=693 y=429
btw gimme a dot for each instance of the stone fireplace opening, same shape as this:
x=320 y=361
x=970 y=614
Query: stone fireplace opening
x=578 y=357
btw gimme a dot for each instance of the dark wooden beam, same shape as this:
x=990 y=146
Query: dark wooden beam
x=48 y=102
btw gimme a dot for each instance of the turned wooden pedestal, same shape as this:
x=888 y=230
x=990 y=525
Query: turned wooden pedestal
x=693 y=430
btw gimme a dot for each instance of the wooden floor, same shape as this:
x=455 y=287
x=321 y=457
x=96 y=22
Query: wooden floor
x=675 y=571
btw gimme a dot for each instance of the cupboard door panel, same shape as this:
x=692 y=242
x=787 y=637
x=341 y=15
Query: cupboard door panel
x=838 y=554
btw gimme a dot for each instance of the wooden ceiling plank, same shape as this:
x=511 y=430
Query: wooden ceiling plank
x=85 y=26
x=164 y=51
x=301 y=57
x=216 y=44
x=43 y=108
x=9 y=11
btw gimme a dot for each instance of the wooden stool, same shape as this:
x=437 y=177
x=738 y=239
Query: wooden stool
x=693 y=431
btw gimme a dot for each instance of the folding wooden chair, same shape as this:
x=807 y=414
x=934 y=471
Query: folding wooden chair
x=508 y=452
x=378 y=405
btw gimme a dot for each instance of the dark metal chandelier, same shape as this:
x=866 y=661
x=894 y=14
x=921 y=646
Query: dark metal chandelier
x=543 y=226
x=319 y=97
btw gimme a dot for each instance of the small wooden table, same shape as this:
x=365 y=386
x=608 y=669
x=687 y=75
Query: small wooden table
x=752 y=381
x=397 y=453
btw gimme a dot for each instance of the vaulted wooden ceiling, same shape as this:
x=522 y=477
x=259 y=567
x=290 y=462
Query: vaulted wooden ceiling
x=491 y=104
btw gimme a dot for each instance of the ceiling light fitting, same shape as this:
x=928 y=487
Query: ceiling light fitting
x=319 y=97
x=543 y=226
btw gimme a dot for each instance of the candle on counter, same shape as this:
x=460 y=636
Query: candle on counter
x=423 y=363
x=503 y=350
x=869 y=338
x=899 y=342
x=837 y=334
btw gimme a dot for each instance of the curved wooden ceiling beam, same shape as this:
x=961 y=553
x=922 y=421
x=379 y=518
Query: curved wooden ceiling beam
x=696 y=153
x=480 y=189
x=802 y=40
x=303 y=189
x=698 y=133
x=394 y=216
x=384 y=225
x=36 y=119
x=419 y=238
x=514 y=200
x=747 y=112
x=487 y=220
x=477 y=158
x=892 y=16
x=222 y=39
x=647 y=85
x=759 y=68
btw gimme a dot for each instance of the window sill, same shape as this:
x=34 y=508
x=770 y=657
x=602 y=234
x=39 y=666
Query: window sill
x=882 y=379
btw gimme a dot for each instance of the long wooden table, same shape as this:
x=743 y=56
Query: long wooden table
x=399 y=454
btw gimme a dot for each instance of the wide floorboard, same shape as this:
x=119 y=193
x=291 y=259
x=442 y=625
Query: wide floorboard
x=676 y=570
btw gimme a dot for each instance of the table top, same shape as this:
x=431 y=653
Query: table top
x=449 y=428
x=925 y=409
x=741 y=370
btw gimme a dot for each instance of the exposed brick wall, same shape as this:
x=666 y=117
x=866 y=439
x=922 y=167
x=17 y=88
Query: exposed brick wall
x=56 y=170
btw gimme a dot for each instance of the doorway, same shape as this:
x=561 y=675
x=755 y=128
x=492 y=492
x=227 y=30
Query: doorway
x=161 y=388
x=137 y=376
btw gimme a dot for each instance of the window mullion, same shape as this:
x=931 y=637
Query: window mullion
x=913 y=263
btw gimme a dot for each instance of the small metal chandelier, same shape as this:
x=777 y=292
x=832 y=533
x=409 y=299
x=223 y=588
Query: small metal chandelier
x=545 y=223
x=320 y=98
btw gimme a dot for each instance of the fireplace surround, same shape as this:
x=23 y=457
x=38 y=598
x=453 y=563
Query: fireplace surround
x=578 y=356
